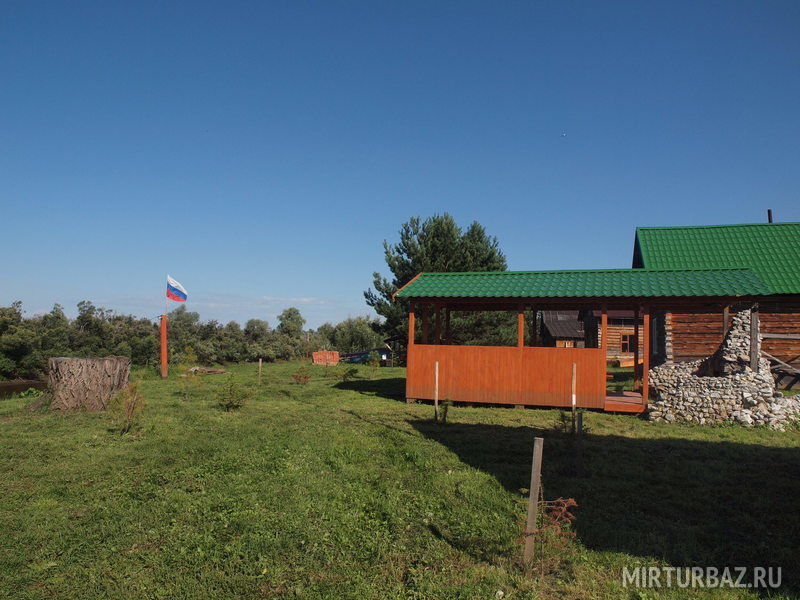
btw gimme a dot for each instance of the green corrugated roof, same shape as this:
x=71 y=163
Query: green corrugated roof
x=607 y=283
x=771 y=250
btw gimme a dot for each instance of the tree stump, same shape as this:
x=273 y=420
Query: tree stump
x=87 y=383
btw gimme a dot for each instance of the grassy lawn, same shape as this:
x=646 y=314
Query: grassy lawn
x=621 y=379
x=341 y=490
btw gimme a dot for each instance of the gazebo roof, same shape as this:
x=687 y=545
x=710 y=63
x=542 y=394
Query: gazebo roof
x=603 y=283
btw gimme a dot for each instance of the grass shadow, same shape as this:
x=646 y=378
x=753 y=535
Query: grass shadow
x=393 y=388
x=684 y=501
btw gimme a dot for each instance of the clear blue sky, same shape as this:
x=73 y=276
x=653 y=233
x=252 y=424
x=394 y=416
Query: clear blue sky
x=261 y=152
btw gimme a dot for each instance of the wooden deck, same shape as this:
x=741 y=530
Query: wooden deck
x=627 y=402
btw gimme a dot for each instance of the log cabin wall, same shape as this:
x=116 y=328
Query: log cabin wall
x=697 y=333
x=781 y=318
x=615 y=341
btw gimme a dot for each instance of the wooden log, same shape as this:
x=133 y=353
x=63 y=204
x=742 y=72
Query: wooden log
x=87 y=383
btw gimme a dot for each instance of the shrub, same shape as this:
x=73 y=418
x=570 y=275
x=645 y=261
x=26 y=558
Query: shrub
x=554 y=534
x=128 y=403
x=301 y=376
x=374 y=361
x=345 y=372
x=234 y=396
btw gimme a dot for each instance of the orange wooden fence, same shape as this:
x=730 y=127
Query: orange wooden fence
x=507 y=375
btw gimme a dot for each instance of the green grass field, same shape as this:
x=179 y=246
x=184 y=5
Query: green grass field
x=342 y=490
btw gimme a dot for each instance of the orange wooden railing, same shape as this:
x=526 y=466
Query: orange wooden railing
x=533 y=376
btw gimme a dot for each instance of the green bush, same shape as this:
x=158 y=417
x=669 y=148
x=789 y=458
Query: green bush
x=234 y=396
x=345 y=372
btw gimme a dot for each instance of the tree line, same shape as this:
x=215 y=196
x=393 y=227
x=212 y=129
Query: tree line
x=436 y=244
x=27 y=342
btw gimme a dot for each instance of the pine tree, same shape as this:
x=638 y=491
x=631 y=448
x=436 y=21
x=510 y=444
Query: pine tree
x=435 y=245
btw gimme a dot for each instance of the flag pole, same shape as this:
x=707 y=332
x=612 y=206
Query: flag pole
x=164 y=355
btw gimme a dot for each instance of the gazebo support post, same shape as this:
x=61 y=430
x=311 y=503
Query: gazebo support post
x=410 y=346
x=646 y=354
x=604 y=339
x=437 y=328
x=520 y=326
x=636 y=381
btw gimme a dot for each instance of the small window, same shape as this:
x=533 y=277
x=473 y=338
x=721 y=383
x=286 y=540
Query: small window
x=626 y=342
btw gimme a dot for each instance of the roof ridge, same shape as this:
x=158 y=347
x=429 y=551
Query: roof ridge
x=730 y=282
x=718 y=226
x=550 y=271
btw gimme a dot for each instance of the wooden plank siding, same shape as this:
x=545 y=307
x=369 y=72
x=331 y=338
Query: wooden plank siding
x=781 y=318
x=615 y=333
x=697 y=333
x=508 y=375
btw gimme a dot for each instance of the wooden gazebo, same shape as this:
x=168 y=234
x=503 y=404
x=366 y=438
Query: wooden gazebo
x=533 y=375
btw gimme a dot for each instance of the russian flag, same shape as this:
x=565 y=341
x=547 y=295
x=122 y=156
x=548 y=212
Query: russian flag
x=175 y=291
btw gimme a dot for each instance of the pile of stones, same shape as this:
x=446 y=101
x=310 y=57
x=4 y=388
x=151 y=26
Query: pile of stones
x=721 y=388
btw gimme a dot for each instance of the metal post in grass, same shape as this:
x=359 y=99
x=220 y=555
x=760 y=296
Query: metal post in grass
x=533 y=499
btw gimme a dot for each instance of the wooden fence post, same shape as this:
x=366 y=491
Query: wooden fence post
x=579 y=447
x=259 y=370
x=436 y=391
x=533 y=499
x=574 y=398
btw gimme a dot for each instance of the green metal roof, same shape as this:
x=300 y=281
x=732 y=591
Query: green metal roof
x=606 y=283
x=771 y=250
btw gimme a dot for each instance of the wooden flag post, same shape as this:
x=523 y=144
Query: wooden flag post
x=533 y=499
x=164 y=354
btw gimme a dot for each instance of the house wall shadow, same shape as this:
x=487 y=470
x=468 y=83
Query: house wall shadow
x=691 y=503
